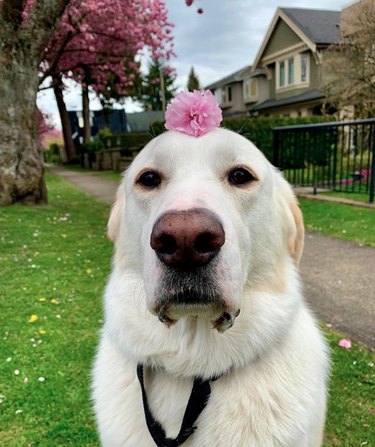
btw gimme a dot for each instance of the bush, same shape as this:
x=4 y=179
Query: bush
x=157 y=128
x=258 y=130
x=126 y=140
x=93 y=146
x=52 y=155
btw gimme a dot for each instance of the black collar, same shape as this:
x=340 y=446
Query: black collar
x=198 y=399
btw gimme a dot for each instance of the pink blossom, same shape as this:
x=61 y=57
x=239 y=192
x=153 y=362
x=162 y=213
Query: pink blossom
x=345 y=343
x=91 y=41
x=194 y=113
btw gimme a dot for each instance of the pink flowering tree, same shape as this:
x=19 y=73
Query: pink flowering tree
x=45 y=127
x=96 y=45
x=40 y=36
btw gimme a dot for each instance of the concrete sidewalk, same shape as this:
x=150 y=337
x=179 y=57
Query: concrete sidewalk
x=338 y=276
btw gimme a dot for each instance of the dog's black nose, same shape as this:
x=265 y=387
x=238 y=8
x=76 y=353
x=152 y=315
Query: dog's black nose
x=187 y=239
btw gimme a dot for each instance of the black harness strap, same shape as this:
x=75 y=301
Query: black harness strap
x=198 y=399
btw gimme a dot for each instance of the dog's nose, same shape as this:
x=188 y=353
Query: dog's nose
x=187 y=239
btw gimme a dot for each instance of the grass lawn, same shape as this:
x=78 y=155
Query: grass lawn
x=55 y=260
x=360 y=197
x=54 y=267
x=342 y=221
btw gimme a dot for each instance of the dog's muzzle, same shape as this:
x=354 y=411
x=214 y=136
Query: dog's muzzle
x=187 y=243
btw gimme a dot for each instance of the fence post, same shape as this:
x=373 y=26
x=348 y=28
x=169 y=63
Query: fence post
x=276 y=148
x=372 y=179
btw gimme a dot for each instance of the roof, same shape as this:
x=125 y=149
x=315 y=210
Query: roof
x=310 y=95
x=237 y=76
x=320 y=26
x=140 y=121
x=313 y=26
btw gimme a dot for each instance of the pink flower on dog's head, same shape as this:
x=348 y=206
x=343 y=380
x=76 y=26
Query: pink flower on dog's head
x=194 y=113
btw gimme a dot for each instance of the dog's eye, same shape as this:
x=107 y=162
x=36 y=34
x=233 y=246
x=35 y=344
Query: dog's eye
x=150 y=179
x=240 y=176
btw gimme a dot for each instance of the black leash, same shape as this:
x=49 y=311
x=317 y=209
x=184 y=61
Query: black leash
x=198 y=399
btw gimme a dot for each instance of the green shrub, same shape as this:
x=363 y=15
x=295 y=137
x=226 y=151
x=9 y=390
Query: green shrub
x=126 y=140
x=52 y=155
x=93 y=146
x=157 y=128
x=258 y=130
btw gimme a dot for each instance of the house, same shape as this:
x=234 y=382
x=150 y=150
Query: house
x=141 y=121
x=291 y=56
x=115 y=120
x=238 y=92
x=285 y=78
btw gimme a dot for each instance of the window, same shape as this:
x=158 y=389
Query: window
x=226 y=95
x=250 y=89
x=218 y=95
x=229 y=94
x=304 y=60
x=282 y=74
x=291 y=71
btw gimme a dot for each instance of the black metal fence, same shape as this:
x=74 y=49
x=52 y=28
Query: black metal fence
x=337 y=156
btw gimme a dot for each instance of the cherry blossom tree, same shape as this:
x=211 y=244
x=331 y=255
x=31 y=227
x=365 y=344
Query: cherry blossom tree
x=97 y=42
x=45 y=126
x=41 y=38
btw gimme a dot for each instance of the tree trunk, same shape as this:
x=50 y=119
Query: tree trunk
x=22 y=45
x=21 y=163
x=64 y=118
x=86 y=114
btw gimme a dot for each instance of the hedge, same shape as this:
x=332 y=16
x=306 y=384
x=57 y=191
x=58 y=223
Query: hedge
x=258 y=130
x=127 y=140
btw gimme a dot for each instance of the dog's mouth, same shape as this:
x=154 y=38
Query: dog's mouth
x=193 y=294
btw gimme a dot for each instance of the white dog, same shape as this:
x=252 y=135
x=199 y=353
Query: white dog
x=205 y=287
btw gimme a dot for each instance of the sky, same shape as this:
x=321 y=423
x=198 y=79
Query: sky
x=225 y=38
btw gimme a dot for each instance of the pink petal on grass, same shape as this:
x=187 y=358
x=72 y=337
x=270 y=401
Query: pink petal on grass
x=345 y=343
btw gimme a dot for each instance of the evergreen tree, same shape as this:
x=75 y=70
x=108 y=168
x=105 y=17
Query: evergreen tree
x=193 y=81
x=152 y=86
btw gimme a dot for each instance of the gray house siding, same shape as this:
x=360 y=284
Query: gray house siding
x=283 y=37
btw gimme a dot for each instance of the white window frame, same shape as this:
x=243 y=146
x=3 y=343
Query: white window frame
x=297 y=72
x=299 y=69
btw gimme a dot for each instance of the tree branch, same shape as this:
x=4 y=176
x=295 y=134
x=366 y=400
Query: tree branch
x=42 y=24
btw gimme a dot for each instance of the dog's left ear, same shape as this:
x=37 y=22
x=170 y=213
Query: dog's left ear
x=291 y=217
x=117 y=212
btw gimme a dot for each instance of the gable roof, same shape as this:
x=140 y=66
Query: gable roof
x=320 y=26
x=237 y=76
x=313 y=26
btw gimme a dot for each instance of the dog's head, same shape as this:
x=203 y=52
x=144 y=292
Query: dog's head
x=201 y=219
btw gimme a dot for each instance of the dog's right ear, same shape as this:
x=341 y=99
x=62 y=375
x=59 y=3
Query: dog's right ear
x=117 y=212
